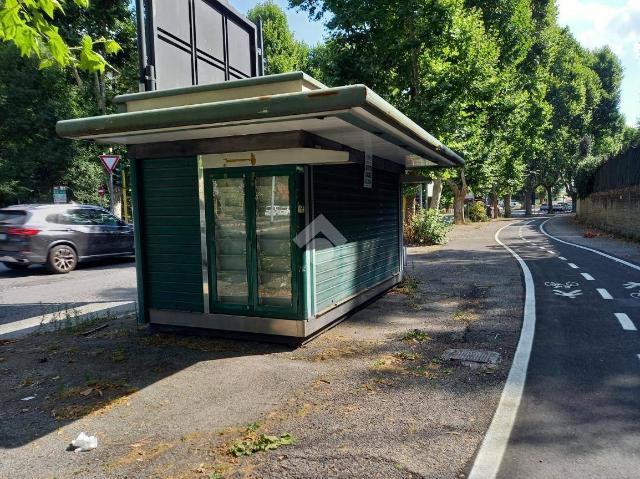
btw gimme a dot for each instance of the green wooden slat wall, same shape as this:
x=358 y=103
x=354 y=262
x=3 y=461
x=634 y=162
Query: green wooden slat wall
x=171 y=226
x=368 y=218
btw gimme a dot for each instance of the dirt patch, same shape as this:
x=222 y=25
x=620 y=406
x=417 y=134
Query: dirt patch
x=365 y=399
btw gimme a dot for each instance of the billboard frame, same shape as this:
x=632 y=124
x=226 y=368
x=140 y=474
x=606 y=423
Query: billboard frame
x=149 y=34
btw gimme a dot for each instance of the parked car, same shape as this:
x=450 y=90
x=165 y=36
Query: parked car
x=557 y=208
x=59 y=236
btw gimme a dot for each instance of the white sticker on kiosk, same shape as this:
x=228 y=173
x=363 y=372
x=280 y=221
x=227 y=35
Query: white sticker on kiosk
x=368 y=170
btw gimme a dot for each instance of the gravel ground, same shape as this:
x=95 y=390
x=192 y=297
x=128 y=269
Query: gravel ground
x=369 y=398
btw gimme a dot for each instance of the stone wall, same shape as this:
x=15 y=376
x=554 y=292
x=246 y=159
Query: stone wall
x=617 y=211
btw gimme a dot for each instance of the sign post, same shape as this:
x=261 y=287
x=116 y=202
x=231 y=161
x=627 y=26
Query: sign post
x=110 y=162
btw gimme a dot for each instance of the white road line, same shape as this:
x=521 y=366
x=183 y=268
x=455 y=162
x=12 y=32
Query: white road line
x=613 y=258
x=625 y=322
x=588 y=277
x=562 y=258
x=574 y=266
x=604 y=293
x=489 y=458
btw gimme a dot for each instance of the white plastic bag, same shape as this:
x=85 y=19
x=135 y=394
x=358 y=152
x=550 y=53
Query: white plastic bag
x=84 y=443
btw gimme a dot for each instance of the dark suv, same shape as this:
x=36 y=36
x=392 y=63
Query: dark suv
x=59 y=236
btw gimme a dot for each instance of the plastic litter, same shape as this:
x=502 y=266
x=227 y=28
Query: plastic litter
x=84 y=443
x=28 y=398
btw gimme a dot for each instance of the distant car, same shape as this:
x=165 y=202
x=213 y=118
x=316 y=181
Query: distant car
x=557 y=208
x=59 y=236
x=277 y=210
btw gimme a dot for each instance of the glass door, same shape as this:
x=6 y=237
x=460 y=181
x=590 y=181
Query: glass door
x=273 y=241
x=230 y=246
x=252 y=220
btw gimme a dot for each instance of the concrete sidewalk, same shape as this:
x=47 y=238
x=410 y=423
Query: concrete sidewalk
x=568 y=229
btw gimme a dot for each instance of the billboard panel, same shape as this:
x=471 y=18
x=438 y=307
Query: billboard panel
x=195 y=42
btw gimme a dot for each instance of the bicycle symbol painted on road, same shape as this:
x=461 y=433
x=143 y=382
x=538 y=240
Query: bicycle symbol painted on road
x=632 y=285
x=568 y=294
x=567 y=285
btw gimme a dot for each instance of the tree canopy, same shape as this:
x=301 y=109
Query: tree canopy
x=31 y=26
x=32 y=99
x=497 y=80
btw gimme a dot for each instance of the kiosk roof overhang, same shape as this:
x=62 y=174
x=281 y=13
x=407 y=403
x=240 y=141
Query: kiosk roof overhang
x=352 y=115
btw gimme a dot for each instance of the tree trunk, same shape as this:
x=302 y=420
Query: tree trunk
x=550 y=200
x=437 y=194
x=574 y=201
x=494 y=204
x=408 y=211
x=528 y=206
x=507 y=205
x=459 y=194
x=458 y=207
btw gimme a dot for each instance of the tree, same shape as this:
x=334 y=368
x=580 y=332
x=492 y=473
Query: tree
x=32 y=157
x=30 y=26
x=607 y=123
x=431 y=59
x=282 y=51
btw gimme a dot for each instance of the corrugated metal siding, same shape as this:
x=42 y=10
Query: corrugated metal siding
x=171 y=234
x=368 y=219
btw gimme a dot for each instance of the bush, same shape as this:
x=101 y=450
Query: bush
x=427 y=227
x=478 y=212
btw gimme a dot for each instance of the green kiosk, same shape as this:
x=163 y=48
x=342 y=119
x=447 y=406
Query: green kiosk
x=268 y=205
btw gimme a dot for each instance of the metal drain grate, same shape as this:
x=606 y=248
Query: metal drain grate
x=486 y=357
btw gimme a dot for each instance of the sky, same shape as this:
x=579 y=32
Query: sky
x=615 y=23
x=594 y=23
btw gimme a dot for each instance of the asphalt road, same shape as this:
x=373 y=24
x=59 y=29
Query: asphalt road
x=580 y=411
x=34 y=292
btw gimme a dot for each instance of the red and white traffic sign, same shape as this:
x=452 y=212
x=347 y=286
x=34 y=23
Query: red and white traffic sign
x=110 y=162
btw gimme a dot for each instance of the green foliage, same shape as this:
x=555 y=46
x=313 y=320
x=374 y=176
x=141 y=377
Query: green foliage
x=585 y=175
x=30 y=26
x=417 y=335
x=478 y=212
x=427 y=227
x=261 y=443
x=283 y=52
x=33 y=158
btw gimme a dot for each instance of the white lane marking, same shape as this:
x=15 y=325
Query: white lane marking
x=562 y=258
x=613 y=258
x=489 y=458
x=626 y=322
x=631 y=285
x=574 y=266
x=604 y=293
x=588 y=277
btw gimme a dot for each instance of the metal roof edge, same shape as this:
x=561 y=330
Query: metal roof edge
x=227 y=85
x=272 y=106
x=405 y=123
